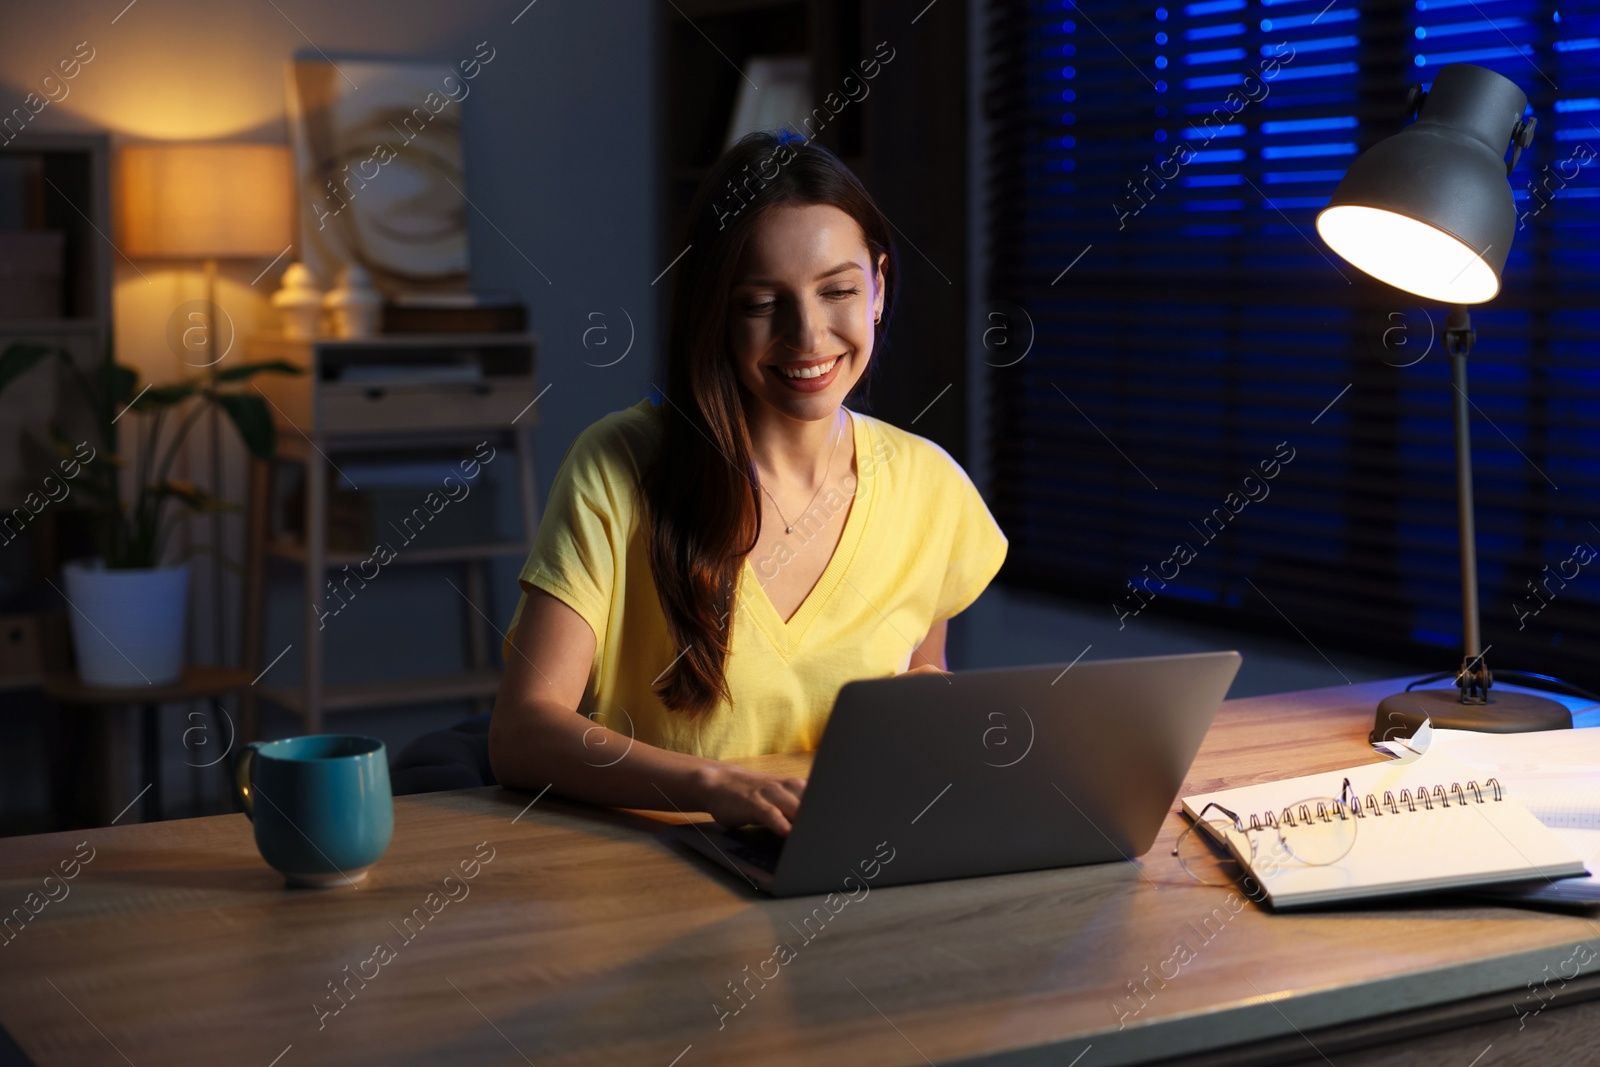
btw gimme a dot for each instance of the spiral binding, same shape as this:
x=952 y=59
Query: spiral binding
x=1426 y=796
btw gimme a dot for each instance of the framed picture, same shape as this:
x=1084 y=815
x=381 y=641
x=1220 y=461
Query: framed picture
x=378 y=165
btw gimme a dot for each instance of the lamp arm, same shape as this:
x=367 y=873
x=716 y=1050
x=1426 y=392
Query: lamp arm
x=1474 y=678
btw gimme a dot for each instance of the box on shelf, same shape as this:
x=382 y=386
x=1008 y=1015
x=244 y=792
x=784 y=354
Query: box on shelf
x=419 y=383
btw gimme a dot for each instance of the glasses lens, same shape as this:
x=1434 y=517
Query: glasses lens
x=1203 y=855
x=1317 y=831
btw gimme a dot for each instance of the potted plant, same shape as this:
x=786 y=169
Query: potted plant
x=128 y=608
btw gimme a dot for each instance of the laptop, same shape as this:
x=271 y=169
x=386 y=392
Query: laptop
x=926 y=777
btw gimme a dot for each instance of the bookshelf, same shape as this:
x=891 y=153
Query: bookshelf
x=52 y=187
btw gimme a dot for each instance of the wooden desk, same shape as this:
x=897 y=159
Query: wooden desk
x=587 y=940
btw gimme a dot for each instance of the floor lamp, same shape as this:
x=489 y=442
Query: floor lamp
x=206 y=201
x=1429 y=210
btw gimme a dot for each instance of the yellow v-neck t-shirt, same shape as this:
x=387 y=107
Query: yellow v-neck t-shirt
x=918 y=546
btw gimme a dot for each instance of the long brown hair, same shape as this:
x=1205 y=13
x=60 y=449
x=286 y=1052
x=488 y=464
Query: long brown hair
x=701 y=490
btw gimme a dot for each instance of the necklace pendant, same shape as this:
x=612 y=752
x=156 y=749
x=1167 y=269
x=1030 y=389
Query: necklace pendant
x=788 y=529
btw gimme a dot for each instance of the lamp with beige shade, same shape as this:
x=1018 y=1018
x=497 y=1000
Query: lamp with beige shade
x=205 y=201
x=192 y=201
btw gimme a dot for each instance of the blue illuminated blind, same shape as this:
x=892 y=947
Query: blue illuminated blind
x=1155 y=173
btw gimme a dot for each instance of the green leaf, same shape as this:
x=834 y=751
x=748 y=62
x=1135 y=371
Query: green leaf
x=252 y=419
x=18 y=359
x=68 y=449
x=60 y=441
x=95 y=474
x=193 y=497
x=239 y=372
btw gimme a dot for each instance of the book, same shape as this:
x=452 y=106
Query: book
x=1416 y=825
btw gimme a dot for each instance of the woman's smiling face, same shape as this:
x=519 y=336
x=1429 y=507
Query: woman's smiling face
x=800 y=316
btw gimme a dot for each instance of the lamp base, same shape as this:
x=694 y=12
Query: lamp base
x=1505 y=713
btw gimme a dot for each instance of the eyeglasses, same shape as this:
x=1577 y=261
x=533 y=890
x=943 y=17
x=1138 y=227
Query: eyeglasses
x=1314 y=832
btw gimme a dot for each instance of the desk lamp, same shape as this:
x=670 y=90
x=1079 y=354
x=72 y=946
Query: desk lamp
x=1429 y=210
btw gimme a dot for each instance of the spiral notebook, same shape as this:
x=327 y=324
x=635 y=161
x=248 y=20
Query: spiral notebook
x=1425 y=824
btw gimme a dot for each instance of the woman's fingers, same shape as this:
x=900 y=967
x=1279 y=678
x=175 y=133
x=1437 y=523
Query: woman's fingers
x=753 y=797
x=786 y=787
x=779 y=795
x=773 y=818
x=778 y=801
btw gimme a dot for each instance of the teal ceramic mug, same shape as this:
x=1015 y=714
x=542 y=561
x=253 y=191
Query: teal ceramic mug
x=321 y=805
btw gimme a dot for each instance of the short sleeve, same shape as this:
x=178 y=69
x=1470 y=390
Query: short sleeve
x=583 y=529
x=977 y=547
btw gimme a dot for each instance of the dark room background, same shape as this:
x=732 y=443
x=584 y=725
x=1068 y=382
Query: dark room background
x=1188 y=325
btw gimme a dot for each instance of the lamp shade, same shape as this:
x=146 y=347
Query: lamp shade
x=1429 y=210
x=205 y=201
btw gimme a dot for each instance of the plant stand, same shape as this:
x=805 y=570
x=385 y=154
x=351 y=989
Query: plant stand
x=199 y=682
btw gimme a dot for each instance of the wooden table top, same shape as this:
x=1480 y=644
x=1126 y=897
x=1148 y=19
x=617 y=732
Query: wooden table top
x=584 y=938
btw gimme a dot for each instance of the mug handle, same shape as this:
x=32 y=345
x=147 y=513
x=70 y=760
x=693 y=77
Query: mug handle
x=244 y=775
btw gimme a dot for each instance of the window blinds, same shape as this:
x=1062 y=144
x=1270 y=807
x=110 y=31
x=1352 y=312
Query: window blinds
x=1155 y=173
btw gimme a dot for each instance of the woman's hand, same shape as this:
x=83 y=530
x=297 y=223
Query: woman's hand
x=735 y=796
x=923 y=668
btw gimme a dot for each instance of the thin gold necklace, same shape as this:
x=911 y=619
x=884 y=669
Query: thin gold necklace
x=788 y=527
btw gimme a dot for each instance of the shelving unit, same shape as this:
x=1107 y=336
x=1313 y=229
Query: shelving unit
x=55 y=183
x=321 y=416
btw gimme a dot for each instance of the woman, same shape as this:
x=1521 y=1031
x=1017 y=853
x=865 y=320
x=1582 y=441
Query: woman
x=712 y=567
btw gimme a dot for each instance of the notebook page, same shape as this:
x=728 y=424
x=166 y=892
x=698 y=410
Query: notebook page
x=1554 y=773
x=1405 y=851
x=1557 y=800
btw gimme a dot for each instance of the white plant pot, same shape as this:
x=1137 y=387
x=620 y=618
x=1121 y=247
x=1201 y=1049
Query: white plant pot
x=128 y=626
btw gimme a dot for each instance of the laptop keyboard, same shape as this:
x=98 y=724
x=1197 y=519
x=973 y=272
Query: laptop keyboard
x=757 y=846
